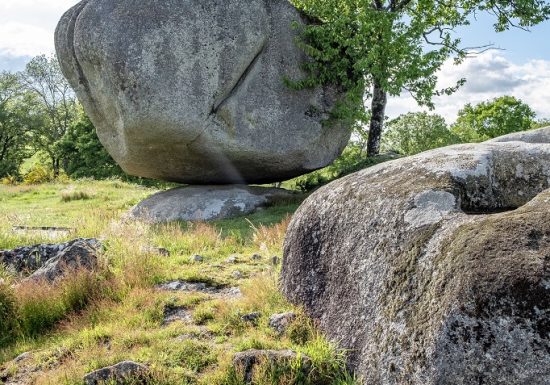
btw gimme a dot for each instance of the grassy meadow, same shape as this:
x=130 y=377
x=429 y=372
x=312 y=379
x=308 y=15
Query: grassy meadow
x=91 y=320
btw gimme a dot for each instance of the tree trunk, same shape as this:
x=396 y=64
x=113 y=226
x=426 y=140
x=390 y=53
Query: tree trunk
x=55 y=164
x=378 y=114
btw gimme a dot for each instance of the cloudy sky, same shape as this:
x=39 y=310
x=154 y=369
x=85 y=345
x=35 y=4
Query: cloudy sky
x=521 y=69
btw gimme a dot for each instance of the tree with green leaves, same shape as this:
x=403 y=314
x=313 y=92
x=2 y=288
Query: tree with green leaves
x=17 y=119
x=57 y=103
x=85 y=156
x=385 y=47
x=416 y=132
x=493 y=118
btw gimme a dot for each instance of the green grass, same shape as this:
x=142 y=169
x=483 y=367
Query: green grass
x=89 y=321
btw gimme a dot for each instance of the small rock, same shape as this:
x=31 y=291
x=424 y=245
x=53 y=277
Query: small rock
x=256 y=257
x=197 y=258
x=22 y=357
x=176 y=313
x=251 y=317
x=80 y=255
x=231 y=259
x=120 y=373
x=155 y=250
x=275 y=260
x=184 y=286
x=280 y=322
x=237 y=274
x=245 y=362
x=232 y=292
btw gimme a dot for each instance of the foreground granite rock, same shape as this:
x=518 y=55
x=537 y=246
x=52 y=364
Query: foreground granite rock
x=433 y=269
x=192 y=91
x=80 y=255
x=201 y=203
x=28 y=259
x=247 y=362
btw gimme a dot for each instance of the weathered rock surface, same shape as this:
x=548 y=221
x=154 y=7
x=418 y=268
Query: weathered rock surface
x=30 y=258
x=541 y=135
x=397 y=269
x=246 y=362
x=192 y=91
x=80 y=255
x=281 y=322
x=121 y=373
x=201 y=203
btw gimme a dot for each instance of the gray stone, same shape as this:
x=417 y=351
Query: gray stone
x=81 y=255
x=245 y=362
x=237 y=274
x=28 y=259
x=540 y=135
x=184 y=286
x=432 y=269
x=176 y=313
x=256 y=257
x=231 y=259
x=281 y=322
x=197 y=258
x=201 y=203
x=121 y=373
x=193 y=91
x=251 y=317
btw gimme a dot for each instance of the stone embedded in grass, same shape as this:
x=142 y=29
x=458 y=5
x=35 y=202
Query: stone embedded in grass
x=201 y=287
x=155 y=251
x=122 y=373
x=281 y=322
x=81 y=255
x=197 y=258
x=256 y=257
x=28 y=259
x=251 y=317
x=245 y=363
x=275 y=260
x=237 y=274
x=232 y=259
x=176 y=313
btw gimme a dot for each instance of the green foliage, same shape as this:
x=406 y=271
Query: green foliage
x=412 y=133
x=84 y=155
x=385 y=47
x=352 y=160
x=541 y=123
x=493 y=118
x=38 y=174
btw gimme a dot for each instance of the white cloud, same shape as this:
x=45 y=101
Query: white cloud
x=489 y=75
x=26 y=26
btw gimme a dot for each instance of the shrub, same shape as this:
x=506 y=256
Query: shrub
x=69 y=196
x=37 y=175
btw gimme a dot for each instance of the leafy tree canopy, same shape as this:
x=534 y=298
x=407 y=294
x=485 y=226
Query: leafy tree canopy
x=493 y=118
x=385 y=47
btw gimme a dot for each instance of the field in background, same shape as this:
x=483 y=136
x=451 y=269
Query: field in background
x=89 y=321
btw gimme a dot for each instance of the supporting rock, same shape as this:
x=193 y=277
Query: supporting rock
x=201 y=203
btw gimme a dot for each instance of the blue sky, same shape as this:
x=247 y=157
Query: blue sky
x=522 y=69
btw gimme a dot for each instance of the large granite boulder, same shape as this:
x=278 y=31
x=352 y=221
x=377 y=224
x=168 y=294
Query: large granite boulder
x=432 y=269
x=203 y=203
x=193 y=91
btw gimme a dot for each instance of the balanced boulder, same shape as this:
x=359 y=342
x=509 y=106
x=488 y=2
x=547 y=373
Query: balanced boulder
x=432 y=269
x=193 y=91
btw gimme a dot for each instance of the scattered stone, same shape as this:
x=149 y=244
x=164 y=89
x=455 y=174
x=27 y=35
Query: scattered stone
x=251 y=317
x=120 y=373
x=155 y=251
x=197 y=258
x=206 y=111
x=202 y=203
x=79 y=255
x=22 y=357
x=237 y=274
x=396 y=269
x=256 y=257
x=232 y=259
x=201 y=287
x=275 y=260
x=245 y=362
x=28 y=259
x=280 y=322
x=176 y=313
